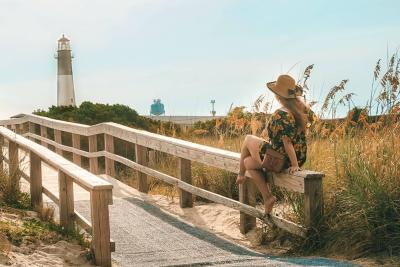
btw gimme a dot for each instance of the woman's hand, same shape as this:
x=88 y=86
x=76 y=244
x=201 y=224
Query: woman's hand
x=293 y=169
x=292 y=154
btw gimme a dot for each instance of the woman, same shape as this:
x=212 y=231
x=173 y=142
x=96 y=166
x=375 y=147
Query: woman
x=286 y=132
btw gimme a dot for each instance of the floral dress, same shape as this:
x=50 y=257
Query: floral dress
x=282 y=123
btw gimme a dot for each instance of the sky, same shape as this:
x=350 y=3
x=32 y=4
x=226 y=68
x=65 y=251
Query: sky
x=188 y=52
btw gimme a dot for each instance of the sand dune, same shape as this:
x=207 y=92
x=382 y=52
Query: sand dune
x=35 y=253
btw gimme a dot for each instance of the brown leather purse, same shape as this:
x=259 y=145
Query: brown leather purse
x=273 y=161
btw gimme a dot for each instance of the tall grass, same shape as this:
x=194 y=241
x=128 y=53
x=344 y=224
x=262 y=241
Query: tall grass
x=10 y=195
x=359 y=156
x=362 y=192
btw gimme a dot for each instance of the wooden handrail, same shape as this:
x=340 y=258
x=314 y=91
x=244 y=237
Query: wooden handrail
x=68 y=173
x=80 y=176
x=219 y=158
x=307 y=182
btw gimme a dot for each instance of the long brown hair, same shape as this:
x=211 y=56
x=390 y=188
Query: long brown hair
x=298 y=108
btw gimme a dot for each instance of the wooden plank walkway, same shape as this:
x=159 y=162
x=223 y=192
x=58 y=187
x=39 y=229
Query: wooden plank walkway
x=145 y=235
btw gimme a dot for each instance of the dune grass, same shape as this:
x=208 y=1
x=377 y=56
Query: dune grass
x=359 y=156
x=32 y=228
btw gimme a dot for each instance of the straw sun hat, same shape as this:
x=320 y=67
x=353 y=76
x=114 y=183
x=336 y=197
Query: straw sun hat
x=285 y=86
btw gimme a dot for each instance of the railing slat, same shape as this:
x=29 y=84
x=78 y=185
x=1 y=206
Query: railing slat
x=66 y=198
x=82 y=222
x=17 y=129
x=43 y=133
x=141 y=158
x=50 y=195
x=64 y=147
x=58 y=140
x=247 y=195
x=109 y=147
x=31 y=127
x=93 y=161
x=313 y=201
x=185 y=174
x=76 y=143
x=25 y=127
x=13 y=157
x=36 y=181
x=100 y=227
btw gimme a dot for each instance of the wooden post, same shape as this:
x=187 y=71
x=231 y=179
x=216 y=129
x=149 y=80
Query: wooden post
x=76 y=143
x=99 y=201
x=36 y=181
x=43 y=133
x=66 y=191
x=152 y=157
x=313 y=201
x=185 y=174
x=25 y=127
x=17 y=129
x=247 y=195
x=93 y=161
x=31 y=129
x=109 y=147
x=13 y=166
x=57 y=138
x=1 y=153
x=141 y=158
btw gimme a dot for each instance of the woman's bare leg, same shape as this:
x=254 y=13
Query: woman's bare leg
x=257 y=176
x=250 y=147
x=244 y=153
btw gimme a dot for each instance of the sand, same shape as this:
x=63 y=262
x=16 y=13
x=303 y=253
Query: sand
x=220 y=220
x=61 y=253
x=37 y=253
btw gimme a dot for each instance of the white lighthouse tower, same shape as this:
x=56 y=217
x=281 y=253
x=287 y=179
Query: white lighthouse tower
x=65 y=82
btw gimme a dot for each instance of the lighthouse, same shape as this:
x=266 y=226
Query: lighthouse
x=65 y=82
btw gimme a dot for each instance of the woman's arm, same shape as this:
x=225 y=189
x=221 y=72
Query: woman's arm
x=291 y=153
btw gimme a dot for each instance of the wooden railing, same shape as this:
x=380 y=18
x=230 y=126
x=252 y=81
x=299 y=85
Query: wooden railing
x=308 y=183
x=68 y=173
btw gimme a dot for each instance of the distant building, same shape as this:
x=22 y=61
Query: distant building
x=65 y=82
x=157 y=108
x=184 y=120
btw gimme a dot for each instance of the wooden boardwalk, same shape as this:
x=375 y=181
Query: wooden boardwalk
x=145 y=235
